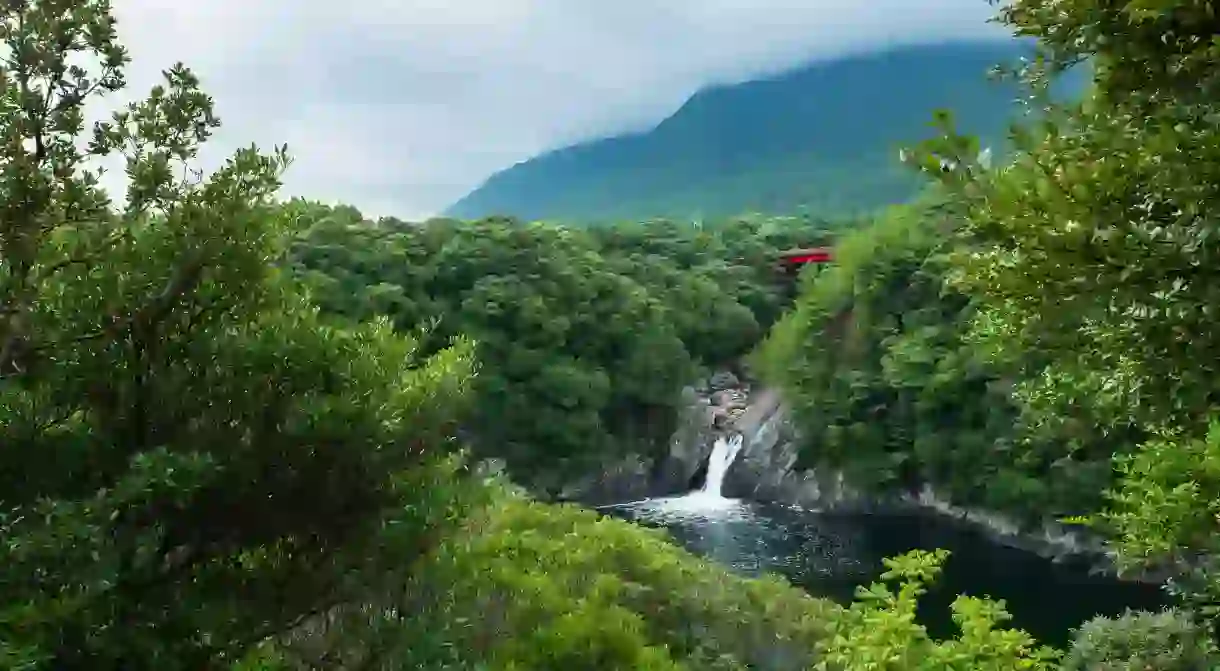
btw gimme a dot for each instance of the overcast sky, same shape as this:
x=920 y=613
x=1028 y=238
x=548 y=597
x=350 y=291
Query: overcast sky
x=400 y=107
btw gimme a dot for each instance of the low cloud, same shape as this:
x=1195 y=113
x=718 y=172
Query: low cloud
x=402 y=106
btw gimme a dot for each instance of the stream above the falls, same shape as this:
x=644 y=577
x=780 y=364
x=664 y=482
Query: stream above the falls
x=828 y=555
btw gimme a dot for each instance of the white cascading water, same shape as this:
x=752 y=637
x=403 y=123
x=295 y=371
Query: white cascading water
x=724 y=452
x=706 y=503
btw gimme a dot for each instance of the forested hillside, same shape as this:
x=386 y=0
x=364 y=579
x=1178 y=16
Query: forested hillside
x=823 y=137
x=880 y=361
x=243 y=433
x=585 y=337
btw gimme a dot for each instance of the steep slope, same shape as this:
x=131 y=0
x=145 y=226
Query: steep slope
x=823 y=137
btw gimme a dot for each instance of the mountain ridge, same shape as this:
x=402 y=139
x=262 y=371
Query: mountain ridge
x=811 y=137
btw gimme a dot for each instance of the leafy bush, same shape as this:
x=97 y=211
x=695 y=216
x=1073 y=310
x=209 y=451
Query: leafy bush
x=534 y=586
x=879 y=630
x=1168 y=641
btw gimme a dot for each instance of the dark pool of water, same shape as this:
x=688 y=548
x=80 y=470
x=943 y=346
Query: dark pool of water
x=829 y=555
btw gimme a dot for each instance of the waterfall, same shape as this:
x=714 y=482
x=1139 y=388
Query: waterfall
x=705 y=503
x=723 y=454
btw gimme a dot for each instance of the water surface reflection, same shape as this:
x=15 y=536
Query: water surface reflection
x=829 y=555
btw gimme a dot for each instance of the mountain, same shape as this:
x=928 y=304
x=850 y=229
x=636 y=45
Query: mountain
x=823 y=138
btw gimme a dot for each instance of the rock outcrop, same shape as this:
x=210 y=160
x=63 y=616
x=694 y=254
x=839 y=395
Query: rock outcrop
x=708 y=410
x=766 y=469
x=711 y=408
x=716 y=407
x=722 y=405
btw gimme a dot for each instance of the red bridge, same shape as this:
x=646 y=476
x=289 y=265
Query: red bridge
x=789 y=263
x=799 y=257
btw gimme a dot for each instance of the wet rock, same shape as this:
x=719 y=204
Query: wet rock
x=723 y=380
x=614 y=481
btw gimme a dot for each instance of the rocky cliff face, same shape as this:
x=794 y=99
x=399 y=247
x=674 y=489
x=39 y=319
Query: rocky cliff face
x=711 y=409
x=766 y=471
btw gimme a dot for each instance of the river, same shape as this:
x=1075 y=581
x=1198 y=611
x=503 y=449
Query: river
x=829 y=555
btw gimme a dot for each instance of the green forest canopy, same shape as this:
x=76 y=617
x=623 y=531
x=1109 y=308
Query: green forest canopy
x=586 y=337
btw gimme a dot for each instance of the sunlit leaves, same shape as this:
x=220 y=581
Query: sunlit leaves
x=1168 y=504
x=879 y=630
x=538 y=587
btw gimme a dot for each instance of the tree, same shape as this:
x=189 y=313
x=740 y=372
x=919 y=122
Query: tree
x=1095 y=251
x=877 y=362
x=191 y=460
x=1094 y=245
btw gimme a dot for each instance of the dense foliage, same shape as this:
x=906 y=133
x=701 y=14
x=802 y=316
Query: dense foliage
x=190 y=459
x=586 y=338
x=202 y=468
x=877 y=360
x=517 y=590
x=1096 y=250
x=1168 y=641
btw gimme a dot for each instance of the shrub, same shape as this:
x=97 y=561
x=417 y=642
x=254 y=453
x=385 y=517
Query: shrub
x=1166 y=641
x=528 y=585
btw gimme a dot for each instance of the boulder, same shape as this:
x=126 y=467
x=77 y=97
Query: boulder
x=723 y=380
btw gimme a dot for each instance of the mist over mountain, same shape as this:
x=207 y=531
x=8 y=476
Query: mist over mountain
x=822 y=138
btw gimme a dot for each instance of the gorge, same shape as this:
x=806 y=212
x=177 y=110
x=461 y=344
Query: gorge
x=828 y=539
x=764 y=469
